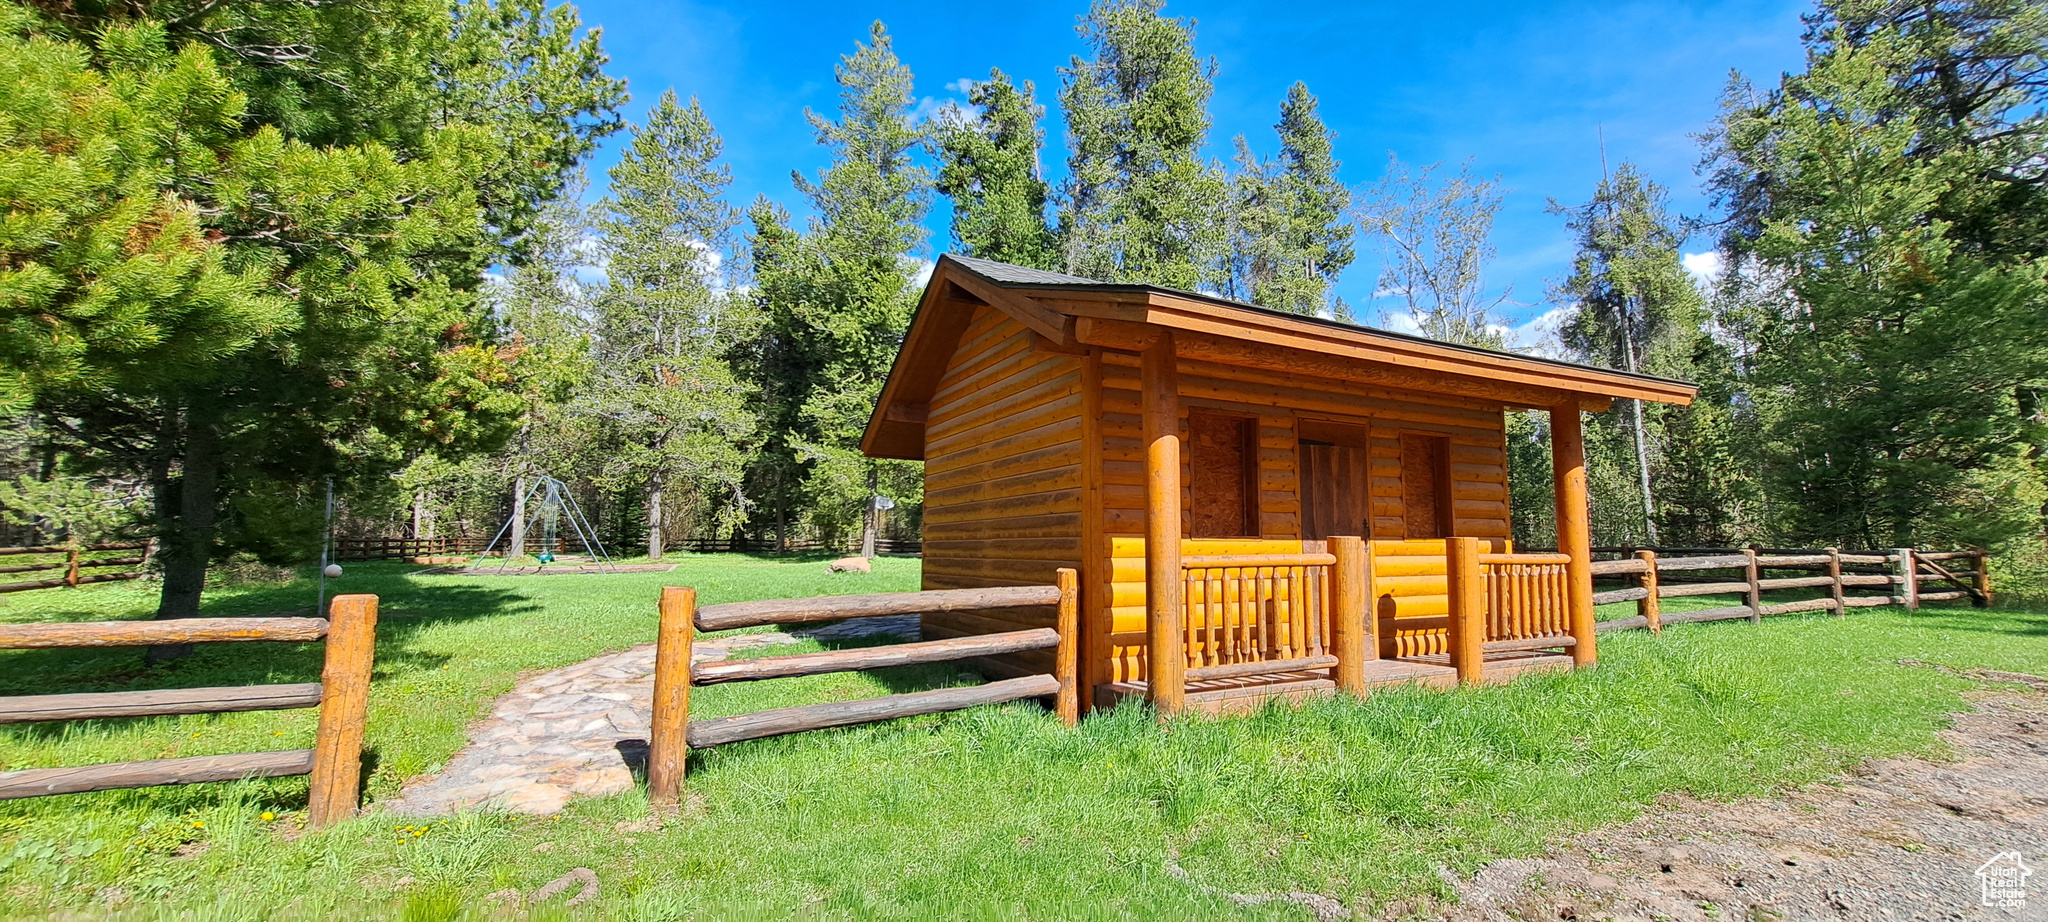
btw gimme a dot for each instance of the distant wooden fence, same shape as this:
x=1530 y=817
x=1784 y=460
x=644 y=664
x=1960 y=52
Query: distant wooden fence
x=673 y=734
x=342 y=695
x=76 y=560
x=1898 y=575
x=346 y=549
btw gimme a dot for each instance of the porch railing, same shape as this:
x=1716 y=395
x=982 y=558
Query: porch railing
x=1256 y=614
x=1527 y=602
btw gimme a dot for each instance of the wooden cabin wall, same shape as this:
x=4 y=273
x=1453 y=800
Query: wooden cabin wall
x=1003 y=477
x=1279 y=400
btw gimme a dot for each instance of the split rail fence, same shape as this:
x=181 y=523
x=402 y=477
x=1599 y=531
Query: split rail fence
x=76 y=560
x=342 y=695
x=347 y=549
x=673 y=734
x=1898 y=575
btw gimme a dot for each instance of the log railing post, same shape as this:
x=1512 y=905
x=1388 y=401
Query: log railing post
x=1066 y=657
x=668 y=732
x=1574 y=527
x=1983 y=578
x=1909 y=578
x=1467 y=622
x=1835 y=574
x=1755 y=594
x=337 y=777
x=1348 y=632
x=1165 y=654
x=1649 y=606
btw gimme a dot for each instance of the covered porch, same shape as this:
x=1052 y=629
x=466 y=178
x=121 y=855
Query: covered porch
x=1231 y=624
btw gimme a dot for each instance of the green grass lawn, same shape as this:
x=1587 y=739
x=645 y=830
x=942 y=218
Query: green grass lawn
x=993 y=813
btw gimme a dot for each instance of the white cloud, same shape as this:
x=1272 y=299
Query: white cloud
x=924 y=272
x=948 y=111
x=1703 y=266
x=963 y=86
x=1535 y=336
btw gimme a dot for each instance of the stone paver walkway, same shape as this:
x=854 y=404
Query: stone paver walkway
x=581 y=731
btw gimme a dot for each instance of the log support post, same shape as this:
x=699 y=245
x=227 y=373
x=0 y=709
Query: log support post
x=1755 y=594
x=1574 y=527
x=1165 y=655
x=1350 y=636
x=1982 y=580
x=1066 y=657
x=1835 y=586
x=1908 y=578
x=337 y=776
x=1648 y=606
x=668 y=732
x=1467 y=622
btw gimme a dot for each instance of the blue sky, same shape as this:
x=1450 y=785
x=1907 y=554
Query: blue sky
x=1523 y=89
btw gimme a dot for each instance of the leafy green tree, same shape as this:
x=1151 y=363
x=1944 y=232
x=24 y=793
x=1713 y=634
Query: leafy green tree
x=244 y=258
x=839 y=298
x=667 y=321
x=1636 y=309
x=1435 y=241
x=1290 y=237
x=1139 y=203
x=1883 y=206
x=989 y=168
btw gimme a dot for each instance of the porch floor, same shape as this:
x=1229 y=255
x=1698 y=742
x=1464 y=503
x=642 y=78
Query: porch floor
x=1236 y=696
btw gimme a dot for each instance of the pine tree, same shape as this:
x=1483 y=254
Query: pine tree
x=1290 y=236
x=240 y=274
x=990 y=170
x=1139 y=203
x=1636 y=309
x=1884 y=208
x=839 y=300
x=667 y=322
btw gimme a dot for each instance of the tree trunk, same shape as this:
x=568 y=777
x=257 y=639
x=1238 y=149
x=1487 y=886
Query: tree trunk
x=655 y=544
x=517 y=547
x=188 y=507
x=867 y=519
x=419 y=514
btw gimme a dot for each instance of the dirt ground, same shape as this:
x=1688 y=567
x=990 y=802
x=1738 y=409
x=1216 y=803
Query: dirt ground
x=1901 y=840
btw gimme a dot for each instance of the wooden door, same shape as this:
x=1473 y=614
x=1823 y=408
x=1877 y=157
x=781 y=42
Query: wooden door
x=1426 y=486
x=1336 y=497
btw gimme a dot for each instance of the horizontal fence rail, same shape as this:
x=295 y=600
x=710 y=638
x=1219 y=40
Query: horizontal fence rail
x=342 y=695
x=74 y=564
x=672 y=734
x=1898 y=575
x=356 y=549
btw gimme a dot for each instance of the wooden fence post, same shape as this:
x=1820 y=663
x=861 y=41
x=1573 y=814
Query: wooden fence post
x=1755 y=594
x=337 y=776
x=1835 y=573
x=1066 y=657
x=1649 y=606
x=1909 y=574
x=668 y=733
x=1467 y=628
x=71 y=566
x=1348 y=620
x=1165 y=612
x=1983 y=578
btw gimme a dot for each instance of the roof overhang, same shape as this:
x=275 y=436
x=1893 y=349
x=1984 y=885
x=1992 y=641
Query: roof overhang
x=1074 y=314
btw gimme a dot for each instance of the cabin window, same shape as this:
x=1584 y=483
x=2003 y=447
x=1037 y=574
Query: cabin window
x=1426 y=485
x=1223 y=471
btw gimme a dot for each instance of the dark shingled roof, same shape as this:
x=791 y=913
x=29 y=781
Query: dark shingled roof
x=1006 y=273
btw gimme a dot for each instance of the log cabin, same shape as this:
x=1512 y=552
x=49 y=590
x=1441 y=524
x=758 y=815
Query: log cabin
x=1259 y=504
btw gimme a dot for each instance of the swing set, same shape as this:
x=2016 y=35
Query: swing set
x=557 y=506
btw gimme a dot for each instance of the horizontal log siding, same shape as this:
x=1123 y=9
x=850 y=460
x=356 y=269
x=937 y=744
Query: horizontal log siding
x=1478 y=472
x=1003 y=479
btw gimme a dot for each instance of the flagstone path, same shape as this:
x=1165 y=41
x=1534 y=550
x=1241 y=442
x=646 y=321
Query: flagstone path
x=581 y=731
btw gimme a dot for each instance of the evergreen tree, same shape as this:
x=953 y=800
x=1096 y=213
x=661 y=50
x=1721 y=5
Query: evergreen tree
x=667 y=322
x=1290 y=237
x=1636 y=309
x=989 y=168
x=1884 y=208
x=839 y=300
x=1140 y=205
x=244 y=257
